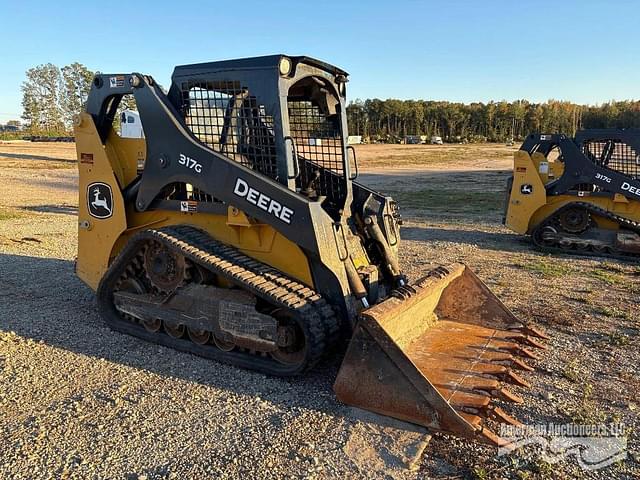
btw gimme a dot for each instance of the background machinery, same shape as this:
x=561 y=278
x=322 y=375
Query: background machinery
x=235 y=230
x=578 y=195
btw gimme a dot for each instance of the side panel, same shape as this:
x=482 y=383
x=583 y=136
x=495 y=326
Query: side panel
x=96 y=236
x=527 y=193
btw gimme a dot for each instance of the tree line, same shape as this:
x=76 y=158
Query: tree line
x=53 y=96
x=391 y=120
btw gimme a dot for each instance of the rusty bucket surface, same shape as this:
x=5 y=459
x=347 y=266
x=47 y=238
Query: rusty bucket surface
x=438 y=354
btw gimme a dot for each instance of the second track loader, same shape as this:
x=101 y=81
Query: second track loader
x=235 y=230
x=578 y=195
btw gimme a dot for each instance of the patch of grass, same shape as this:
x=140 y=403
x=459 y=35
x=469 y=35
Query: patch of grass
x=9 y=214
x=612 y=312
x=618 y=339
x=546 y=268
x=450 y=201
x=570 y=371
x=587 y=411
x=480 y=473
x=606 y=276
x=585 y=300
x=544 y=469
x=611 y=267
x=632 y=288
x=616 y=417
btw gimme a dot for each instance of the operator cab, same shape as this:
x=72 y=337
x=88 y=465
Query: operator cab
x=281 y=116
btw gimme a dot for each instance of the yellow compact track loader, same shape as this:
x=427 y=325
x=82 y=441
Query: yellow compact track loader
x=578 y=195
x=235 y=230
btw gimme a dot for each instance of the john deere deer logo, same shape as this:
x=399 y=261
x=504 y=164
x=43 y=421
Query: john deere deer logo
x=99 y=200
x=526 y=189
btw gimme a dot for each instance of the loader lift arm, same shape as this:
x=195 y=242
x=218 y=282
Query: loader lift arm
x=175 y=155
x=580 y=169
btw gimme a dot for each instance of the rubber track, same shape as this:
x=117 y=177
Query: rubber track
x=317 y=317
x=595 y=210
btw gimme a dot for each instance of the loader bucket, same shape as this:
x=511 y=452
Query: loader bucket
x=437 y=354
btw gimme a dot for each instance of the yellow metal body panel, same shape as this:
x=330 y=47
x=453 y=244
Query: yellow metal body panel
x=557 y=168
x=116 y=164
x=548 y=170
x=526 y=211
x=128 y=155
x=96 y=237
x=522 y=206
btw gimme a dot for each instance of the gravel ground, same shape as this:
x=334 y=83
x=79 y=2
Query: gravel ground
x=80 y=401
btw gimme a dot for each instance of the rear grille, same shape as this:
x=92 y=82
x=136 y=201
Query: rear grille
x=318 y=140
x=614 y=155
x=228 y=119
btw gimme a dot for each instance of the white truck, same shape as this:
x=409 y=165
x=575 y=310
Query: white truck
x=130 y=125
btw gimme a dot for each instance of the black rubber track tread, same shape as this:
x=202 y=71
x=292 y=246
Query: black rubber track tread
x=595 y=210
x=318 y=318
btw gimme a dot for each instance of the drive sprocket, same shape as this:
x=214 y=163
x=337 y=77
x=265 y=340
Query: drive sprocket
x=165 y=269
x=574 y=220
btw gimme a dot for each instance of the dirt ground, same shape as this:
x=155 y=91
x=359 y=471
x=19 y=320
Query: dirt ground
x=80 y=401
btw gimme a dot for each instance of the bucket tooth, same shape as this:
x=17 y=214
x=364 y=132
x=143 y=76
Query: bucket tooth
x=508 y=396
x=523 y=352
x=527 y=340
x=515 y=379
x=509 y=361
x=501 y=368
x=500 y=373
x=499 y=415
x=484 y=433
x=491 y=370
x=521 y=365
x=530 y=331
x=437 y=353
x=502 y=394
x=471 y=415
x=491 y=438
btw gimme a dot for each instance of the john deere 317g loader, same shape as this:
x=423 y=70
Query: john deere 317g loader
x=235 y=230
x=578 y=195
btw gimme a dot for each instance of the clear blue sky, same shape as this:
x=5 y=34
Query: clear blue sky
x=583 y=51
